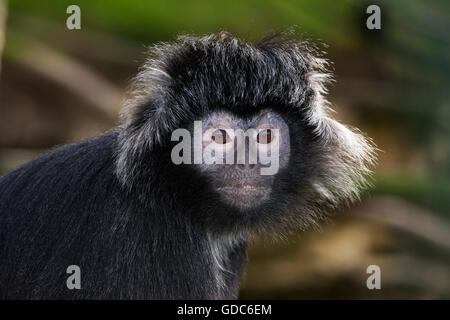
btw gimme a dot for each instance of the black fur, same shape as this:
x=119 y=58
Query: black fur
x=139 y=226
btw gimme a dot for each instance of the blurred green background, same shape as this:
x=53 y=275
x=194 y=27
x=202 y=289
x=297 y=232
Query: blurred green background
x=59 y=85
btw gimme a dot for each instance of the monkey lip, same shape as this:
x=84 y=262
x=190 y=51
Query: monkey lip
x=243 y=187
x=243 y=196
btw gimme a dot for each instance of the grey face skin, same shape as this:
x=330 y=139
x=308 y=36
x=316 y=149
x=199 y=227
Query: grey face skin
x=241 y=183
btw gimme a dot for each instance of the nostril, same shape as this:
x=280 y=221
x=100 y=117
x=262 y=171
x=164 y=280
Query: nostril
x=246 y=166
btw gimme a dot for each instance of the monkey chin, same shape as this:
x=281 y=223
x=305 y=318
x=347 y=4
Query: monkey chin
x=244 y=197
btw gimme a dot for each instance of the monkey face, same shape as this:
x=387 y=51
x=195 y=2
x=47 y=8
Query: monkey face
x=242 y=156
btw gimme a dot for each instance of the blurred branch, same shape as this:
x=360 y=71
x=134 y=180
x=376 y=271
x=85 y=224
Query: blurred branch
x=67 y=72
x=113 y=48
x=3 y=14
x=406 y=216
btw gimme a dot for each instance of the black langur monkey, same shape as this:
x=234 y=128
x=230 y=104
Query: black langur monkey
x=141 y=225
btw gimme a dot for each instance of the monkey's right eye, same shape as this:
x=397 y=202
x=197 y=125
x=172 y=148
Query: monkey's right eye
x=264 y=136
x=220 y=136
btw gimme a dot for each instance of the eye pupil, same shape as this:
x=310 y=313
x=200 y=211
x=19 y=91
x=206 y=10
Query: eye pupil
x=220 y=136
x=264 y=136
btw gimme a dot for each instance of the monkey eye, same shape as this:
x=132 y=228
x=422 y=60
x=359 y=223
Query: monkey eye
x=264 y=136
x=220 y=136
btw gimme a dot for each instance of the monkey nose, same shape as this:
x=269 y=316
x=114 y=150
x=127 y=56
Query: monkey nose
x=246 y=166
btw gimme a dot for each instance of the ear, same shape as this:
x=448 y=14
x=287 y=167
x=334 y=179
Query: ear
x=346 y=154
x=148 y=116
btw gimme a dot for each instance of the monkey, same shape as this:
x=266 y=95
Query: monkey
x=140 y=225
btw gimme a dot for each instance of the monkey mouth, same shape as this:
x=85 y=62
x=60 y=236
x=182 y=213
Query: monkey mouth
x=243 y=196
x=244 y=187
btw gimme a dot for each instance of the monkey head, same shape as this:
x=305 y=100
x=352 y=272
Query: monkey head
x=260 y=150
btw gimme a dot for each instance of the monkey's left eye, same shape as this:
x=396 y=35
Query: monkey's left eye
x=220 y=136
x=264 y=137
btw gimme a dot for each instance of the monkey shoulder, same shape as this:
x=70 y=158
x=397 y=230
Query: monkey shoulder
x=67 y=177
